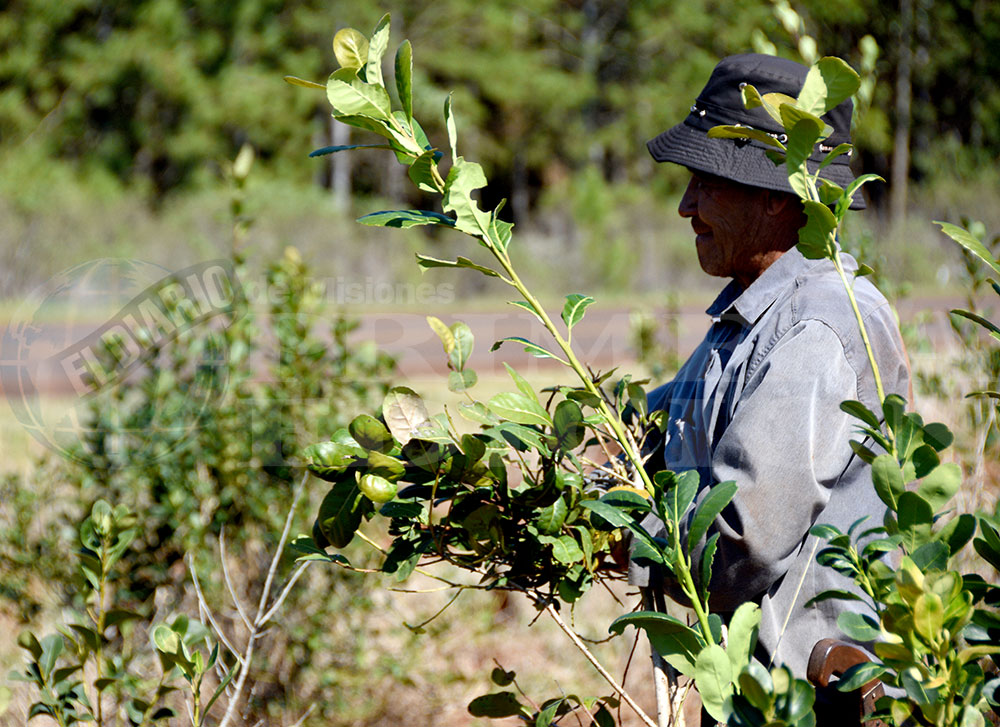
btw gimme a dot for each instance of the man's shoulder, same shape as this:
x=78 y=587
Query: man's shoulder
x=819 y=295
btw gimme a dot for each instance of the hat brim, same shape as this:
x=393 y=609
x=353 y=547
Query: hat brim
x=743 y=162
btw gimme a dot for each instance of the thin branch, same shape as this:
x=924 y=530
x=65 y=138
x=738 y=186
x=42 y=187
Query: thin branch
x=285 y=591
x=600 y=669
x=259 y=620
x=301 y=720
x=439 y=612
x=229 y=582
x=203 y=605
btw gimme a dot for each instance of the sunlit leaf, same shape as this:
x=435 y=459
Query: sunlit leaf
x=407 y=218
x=816 y=237
x=970 y=242
x=376 y=49
x=828 y=82
x=744 y=132
x=303 y=83
x=576 y=305
x=404 y=77
x=351 y=48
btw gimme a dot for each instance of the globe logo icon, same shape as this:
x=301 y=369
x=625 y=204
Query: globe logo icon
x=132 y=354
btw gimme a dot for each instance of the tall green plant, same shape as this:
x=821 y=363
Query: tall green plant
x=449 y=495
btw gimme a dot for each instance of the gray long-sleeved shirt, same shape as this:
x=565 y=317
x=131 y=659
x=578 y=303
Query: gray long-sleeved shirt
x=758 y=402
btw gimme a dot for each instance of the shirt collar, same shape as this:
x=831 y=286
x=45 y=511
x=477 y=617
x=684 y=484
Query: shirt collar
x=747 y=305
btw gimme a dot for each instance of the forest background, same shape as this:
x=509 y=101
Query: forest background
x=116 y=120
x=118 y=125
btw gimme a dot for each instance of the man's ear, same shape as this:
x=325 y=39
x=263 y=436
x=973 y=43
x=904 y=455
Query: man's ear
x=779 y=203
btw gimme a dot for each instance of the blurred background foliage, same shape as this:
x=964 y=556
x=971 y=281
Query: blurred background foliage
x=115 y=117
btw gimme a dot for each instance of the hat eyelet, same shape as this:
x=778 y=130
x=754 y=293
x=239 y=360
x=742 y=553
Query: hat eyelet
x=743 y=84
x=782 y=138
x=702 y=112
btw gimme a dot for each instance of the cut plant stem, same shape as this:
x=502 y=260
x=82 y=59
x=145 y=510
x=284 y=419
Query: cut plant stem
x=550 y=609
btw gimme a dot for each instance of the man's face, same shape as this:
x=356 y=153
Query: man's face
x=727 y=218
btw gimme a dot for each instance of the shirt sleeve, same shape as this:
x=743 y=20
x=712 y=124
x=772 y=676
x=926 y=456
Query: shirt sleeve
x=786 y=446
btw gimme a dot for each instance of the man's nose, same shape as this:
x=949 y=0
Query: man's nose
x=689 y=202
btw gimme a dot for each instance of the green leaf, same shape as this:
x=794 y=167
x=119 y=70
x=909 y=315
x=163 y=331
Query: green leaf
x=829 y=82
x=376 y=49
x=816 y=237
x=520 y=409
x=385 y=466
x=27 y=641
x=350 y=96
x=912 y=681
x=707 y=556
x=459 y=381
x=565 y=549
x=334 y=149
x=836 y=152
x=714 y=503
x=371 y=434
x=756 y=685
x=449 y=122
x=744 y=132
x=970 y=242
x=858 y=626
x=924 y=460
x=529 y=437
x=303 y=83
x=576 y=305
x=550 y=520
x=958 y=532
x=529 y=346
x=407 y=218
x=674 y=640
x=52 y=647
x=979 y=320
x=502 y=678
x=478 y=413
x=463 y=179
x=888 y=480
x=421 y=172
x=546 y=715
x=568 y=424
x=713 y=677
x=940 y=485
x=679 y=491
x=526 y=306
x=743 y=635
x=497 y=706
x=831 y=595
x=770 y=102
x=404 y=76
x=852 y=189
x=443 y=332
x=340 y=512
x=915 y=519
x=351 y=48
x=522 y=384
x=462 y=350
x=427 y=262
x=616 y=518
x=928 y=617
x=859 y=411
x=859 y=675
x=405 y=414
x=804 y=130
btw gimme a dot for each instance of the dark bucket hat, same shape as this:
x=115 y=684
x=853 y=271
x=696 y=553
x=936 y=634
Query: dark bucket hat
x=741 y=160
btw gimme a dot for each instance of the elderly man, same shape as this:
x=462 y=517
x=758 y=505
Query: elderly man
x=759 y=400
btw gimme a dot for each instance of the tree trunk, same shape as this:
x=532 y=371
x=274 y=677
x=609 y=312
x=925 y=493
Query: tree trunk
x=904 y=92
x=340 y=165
